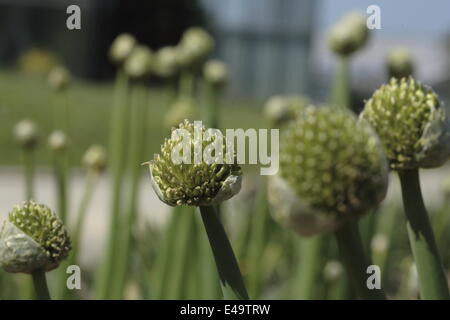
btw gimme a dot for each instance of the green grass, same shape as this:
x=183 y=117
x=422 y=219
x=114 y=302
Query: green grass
x=29 y=96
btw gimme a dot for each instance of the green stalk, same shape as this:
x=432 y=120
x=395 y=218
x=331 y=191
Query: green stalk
x=355 y=261
x=181 y=255
x=28 y=162
x=258 y=240
x=117 y=160
x=212 y=105
x=311 y=266
x=233 y=287
x=340 y=93
x=88 y=191
x=209 y=282
x=137 y=142
x=40 y=285
x=186 y=86
x=432 y=279
x=163 y=262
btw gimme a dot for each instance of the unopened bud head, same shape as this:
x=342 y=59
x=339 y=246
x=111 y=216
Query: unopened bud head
x=26 y=133
x=122 y=47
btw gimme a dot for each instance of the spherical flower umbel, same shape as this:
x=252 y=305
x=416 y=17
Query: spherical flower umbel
x=57 y=141
x=95 y=158
x=166 y=64
x=195 y=45
x=32 y=238
x=349 y=34
x=332 y=170
x=139 y=62
x=279 y=110
x=122 y=47
x=411 y=123
x=26 y=133
x=193 y=184
x=59 y=78
x=216 y=73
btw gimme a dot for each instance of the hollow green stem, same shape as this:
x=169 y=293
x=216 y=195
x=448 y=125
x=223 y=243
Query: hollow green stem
x=186 y=86
x=233 y=287
x=340 y=92
x=40 y=285
x=137 y=142
x=355 y=261
x=432 y=280
x=117 y=159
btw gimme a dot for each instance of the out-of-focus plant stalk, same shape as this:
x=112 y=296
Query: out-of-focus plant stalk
x=258 y=240
x=117 y=155
x=340 y=92
x=311 y=265
x=137 y=143
x=433 y=282
x=356 y=261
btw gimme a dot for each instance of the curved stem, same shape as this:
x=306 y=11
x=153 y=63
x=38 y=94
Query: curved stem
x=355 y=261
x=233 y=287
x=432 y=279
x=40 y=285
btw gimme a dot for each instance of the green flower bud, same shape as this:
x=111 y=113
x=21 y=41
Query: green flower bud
x=332 y=169
x=411 y=123
x=216 y=73
x=281 y=109
x=349 y=34
x=139 y=63
x=59 y=78
x=166 y=63
x=183 y=108
x=193 y=184
x=26 y=134
x=400 y=63
x=57 y=141
x=195 y=45
x=95 y=158
x=32 y=238
x=122 y=47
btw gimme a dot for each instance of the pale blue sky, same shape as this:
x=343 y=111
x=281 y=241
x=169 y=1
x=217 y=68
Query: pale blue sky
x=399 y=16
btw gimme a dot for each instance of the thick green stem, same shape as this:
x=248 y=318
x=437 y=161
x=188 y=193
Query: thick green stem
x=40 y=285
x=311 y=266
x=432 y=279
x=163 y=264
x=182 y=254
x=258 y=240
x=137 y=142
x=356 y=262
x=340 y=92
x=230 y=276
x=117 y=160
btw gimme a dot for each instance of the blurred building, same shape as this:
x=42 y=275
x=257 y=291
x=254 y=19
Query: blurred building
x=265 y=42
